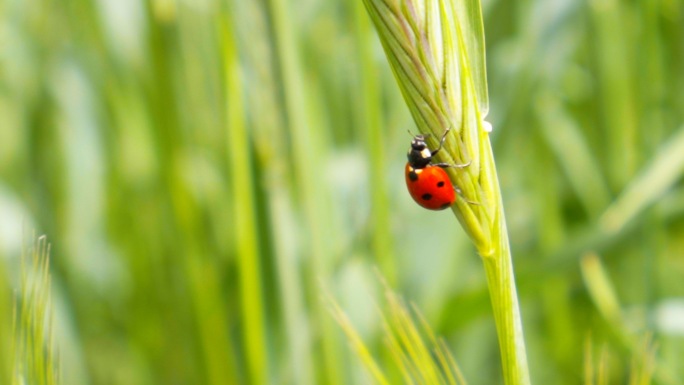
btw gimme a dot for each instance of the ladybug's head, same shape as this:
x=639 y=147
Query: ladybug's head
x=419 y=156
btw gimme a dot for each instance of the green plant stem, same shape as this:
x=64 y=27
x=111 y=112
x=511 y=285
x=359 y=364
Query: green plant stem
x=307 y=148
x=504 y=297
x=247 y=242
x=495 y=251
x=498 y=264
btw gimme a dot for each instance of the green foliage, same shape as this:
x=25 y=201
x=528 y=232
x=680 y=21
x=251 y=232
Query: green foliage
x=416 y=353
x=34 y=355
x=6 y=335
x=200 y=167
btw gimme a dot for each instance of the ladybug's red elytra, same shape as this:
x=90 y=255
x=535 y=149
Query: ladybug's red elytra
x=427 y=182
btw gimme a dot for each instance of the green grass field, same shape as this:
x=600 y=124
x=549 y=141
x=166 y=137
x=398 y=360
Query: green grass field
x=212 y=175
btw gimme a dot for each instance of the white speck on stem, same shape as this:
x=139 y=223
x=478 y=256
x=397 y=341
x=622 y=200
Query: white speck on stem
x=486 y=126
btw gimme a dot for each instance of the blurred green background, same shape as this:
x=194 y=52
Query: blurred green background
x=207 y=170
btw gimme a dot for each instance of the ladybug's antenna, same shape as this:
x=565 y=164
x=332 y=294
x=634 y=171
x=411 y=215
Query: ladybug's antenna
x=425 y=136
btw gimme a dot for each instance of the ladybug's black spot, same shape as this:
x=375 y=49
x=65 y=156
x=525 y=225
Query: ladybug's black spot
x=440 y=183
x=413 y=176
x=445 y=206
x=427 y=197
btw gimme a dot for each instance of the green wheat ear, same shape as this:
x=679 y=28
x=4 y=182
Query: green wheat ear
x=420 y=356
x=436 y=51
x=35 y=357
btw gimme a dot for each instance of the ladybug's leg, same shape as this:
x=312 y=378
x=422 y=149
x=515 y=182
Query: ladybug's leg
x=441 y=141
x=449 y=165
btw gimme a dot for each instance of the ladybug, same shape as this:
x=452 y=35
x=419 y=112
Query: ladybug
x=427 y=182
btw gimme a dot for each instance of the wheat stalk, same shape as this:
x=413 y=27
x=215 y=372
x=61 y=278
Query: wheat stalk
x=436 y=51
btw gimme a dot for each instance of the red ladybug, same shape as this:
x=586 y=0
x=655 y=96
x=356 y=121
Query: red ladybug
x=427 y=182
